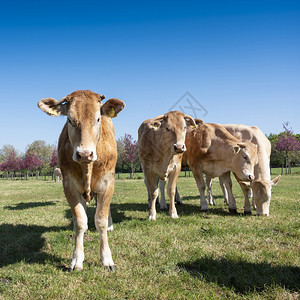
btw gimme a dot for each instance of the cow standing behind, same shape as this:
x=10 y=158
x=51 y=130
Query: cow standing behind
x=262 y=183
x=212 y=150
x=161 y=143
x=57 y=174
x=87 y=156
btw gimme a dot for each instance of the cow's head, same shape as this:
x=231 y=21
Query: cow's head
x=84 y=111
x=244 y=159
x=261 y=190
x=172 y=127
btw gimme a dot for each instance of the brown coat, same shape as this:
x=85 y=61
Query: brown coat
x=212 y=150
x=87 y=156
x=161 y=143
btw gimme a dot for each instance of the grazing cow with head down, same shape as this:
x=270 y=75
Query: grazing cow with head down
x=262 y=184
x=87 y=156
x=212 y=150
x=161 y=143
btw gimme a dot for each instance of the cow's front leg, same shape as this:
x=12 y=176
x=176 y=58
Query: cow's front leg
x=77 y=204
x=162 y=203
x=226 y=180
x=210 y=197
x=247 y=194
x=101 y=220
x=152 y=187
x=171 y=192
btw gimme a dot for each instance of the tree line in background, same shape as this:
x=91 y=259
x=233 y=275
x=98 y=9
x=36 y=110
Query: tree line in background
x=38 y=158
x=41 y=158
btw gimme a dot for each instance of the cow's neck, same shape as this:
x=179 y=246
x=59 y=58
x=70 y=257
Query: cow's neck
x=87 y=171
x=163 y=165
x=262 y=169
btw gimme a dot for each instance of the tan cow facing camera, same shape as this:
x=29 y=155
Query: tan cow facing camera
x=161 y=144
x=87 y=155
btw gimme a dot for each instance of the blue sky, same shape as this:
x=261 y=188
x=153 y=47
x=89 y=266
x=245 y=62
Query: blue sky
x=239 y=59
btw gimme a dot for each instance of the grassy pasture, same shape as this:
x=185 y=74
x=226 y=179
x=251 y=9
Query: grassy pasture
x=211 y=255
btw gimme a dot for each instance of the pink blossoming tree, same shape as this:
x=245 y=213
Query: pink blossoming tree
x=287 y=143
x=130 y=154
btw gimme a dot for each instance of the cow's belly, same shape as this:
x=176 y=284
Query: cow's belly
x=214 y=169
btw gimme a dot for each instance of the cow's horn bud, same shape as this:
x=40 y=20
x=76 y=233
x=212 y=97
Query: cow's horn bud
x=102 y=97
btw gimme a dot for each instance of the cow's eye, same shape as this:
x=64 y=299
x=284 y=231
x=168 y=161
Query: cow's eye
x=98 y=120
x=245 y=157
x=168 y=128
x=70 y=121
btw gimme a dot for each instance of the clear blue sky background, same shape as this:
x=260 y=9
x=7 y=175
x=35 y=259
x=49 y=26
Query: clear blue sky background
x=238 y=59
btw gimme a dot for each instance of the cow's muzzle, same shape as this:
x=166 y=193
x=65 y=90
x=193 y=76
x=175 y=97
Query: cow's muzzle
x=179 y=148
x=251 y=177
x=85 y=156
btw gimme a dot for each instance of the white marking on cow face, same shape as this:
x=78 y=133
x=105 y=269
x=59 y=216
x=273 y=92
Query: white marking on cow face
x=84 y=134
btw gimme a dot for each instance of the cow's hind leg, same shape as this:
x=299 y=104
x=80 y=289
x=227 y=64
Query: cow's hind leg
x=198 y=174
x=110 y=226
x=101 y=220
x=178 y=199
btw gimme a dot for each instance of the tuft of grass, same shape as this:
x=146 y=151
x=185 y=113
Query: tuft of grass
x=212 y=255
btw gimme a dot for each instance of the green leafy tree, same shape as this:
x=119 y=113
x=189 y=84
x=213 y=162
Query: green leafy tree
x=6 y=151
x=44 y=152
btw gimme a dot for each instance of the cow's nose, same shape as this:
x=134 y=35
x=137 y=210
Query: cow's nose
x=264 y=215
x=84 y=155
x=251 y=177
x=179 y=148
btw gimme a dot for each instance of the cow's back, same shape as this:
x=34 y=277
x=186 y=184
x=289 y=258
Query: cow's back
x=207 y=140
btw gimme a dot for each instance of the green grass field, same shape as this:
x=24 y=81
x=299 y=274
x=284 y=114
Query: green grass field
x=211 y=255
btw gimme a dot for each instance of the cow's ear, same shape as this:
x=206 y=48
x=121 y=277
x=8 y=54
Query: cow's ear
x=154 y=124
x=247 y=183
x=112 y=107
x=236 y=149
x=275 y=180
x=52 y=107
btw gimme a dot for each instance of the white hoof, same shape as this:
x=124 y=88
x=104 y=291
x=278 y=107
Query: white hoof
x=174 y=215
x=110 y=228
x=75 y=265
x=152 y=217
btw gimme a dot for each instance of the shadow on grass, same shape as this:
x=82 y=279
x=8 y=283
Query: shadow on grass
x=117 y=213
x=22 y=206
x=241 y=276
x=24 y=243
x=189 y=209
x=187 y=198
